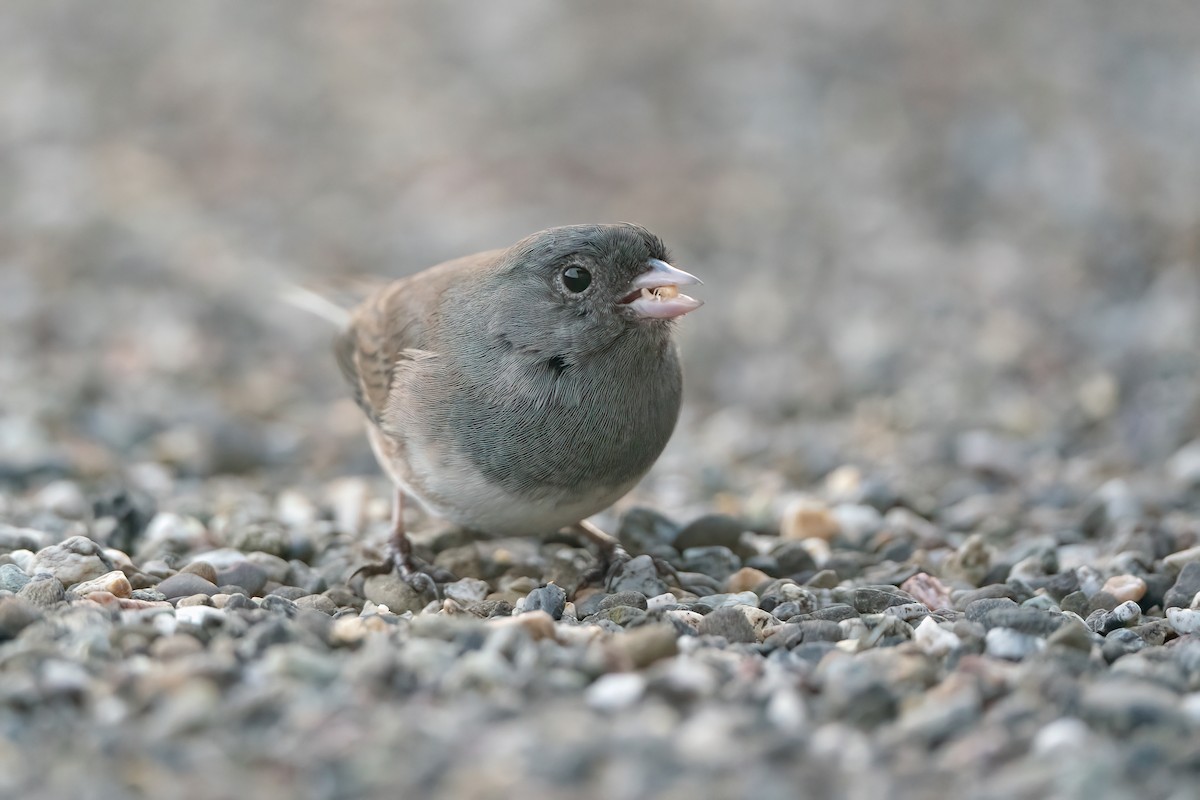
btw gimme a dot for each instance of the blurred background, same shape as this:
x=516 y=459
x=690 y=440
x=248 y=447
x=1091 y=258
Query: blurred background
x=930 y=232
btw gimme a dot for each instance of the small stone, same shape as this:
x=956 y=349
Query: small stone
x=637 y=575
x=73 y=561
x=396 y=593
x=1125 y=587
x=807 y=518
x=43 y=592
x=1124 y=615
x=194 y=600
x=173 y=533
x=1186 y=585
x=466 y=591
x=933 y=639
x=1120 y=642
x=647 y=644
x=746 y=579
x=185 y=584
x=857 y=523
x=717 y=561
x=16 y=615
x=12 y=578
x=317 y=602
x=794 y=558
x=278 y=605
x=1012 y=645
x=635 y=599
x=1074 y=635
x=115 y=583
x=615 y=691
x=729 y=623
x=1178 y=560
x=203 y=569
x=12 y=538
x=538 y=625
x=549 y=598
x=623 y=616
x=927 y=589
x=1184 y=620
x=63 y=499
x=643 y=530
x=825 y=579
x=245 y=574
x=714 y=530
x=873 y=600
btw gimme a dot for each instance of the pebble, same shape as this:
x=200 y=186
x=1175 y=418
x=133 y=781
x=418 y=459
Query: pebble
x=73 y=561
x=43 y=592
x=729 y=623
x=615 y=691
x=933 y=639
x=714 y=530
x=396 y=593
x=806 y=518
x=550 y=599
x=1126 y=587
x=1012 y=645
x=746 y=579
x=927 y=589
x=185 y=584
x=1184 y=620
x=244 y=574
x=638 y=575
x=643 y=646
x=16 y=614
x=12 y=578
x=115 y=583
x=716 y=561
x=1185 y=587
x=646 y=531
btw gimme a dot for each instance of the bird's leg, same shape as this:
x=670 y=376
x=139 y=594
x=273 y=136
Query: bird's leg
x=613 y=555
x=399 y=554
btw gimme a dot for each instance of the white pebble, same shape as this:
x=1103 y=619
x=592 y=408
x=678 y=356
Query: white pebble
x=1184 y=620
x=1065 y=735
x=933 y=639
x=615 y=691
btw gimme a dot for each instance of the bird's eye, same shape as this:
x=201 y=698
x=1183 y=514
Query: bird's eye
x=576 y=279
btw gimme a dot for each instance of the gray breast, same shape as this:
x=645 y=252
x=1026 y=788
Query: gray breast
x=557 y=428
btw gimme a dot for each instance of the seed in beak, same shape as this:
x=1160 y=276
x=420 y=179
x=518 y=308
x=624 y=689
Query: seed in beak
x=660 y=292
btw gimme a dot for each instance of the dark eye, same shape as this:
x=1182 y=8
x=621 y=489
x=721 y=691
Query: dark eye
x=576 y=279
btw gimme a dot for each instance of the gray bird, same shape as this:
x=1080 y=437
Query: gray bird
x=518 y=391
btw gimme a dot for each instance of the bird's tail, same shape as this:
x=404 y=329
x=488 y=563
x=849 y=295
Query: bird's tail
x=315 y=303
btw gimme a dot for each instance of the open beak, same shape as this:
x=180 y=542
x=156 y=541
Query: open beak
x=655 y=293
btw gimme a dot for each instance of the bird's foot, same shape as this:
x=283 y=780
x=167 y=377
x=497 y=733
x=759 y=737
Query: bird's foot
x=422 y=577
x=614 y=557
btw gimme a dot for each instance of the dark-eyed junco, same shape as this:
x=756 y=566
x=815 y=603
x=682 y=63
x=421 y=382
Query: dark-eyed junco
x=519 y=391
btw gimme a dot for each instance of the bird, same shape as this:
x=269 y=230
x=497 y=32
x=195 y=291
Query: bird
x=518 y=391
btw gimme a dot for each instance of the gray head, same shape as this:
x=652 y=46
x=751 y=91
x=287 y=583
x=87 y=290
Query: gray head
x=579 y=289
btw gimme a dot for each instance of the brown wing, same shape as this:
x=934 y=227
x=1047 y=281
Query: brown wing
x=394 y=323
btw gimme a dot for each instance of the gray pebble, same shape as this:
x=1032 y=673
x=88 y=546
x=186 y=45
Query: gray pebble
x=550 y=598
x=713 y=530
x=43 y=592
x=1012 y=645
x=638 y=575
x=715 y=561
x=1186 y=586
x=185 y=584
x=16 y=614
x=12 y=577
x=643 y=530
x=635 y=599
x=730 y=623
x=396 y=593
x=250 y=577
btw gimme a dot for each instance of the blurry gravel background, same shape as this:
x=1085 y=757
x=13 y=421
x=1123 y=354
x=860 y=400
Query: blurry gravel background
x=951 y=244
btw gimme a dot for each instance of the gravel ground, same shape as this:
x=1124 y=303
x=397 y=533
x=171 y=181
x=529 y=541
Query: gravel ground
x=929 y=526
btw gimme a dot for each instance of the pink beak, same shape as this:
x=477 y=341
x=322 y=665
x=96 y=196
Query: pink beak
x=655 y=293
